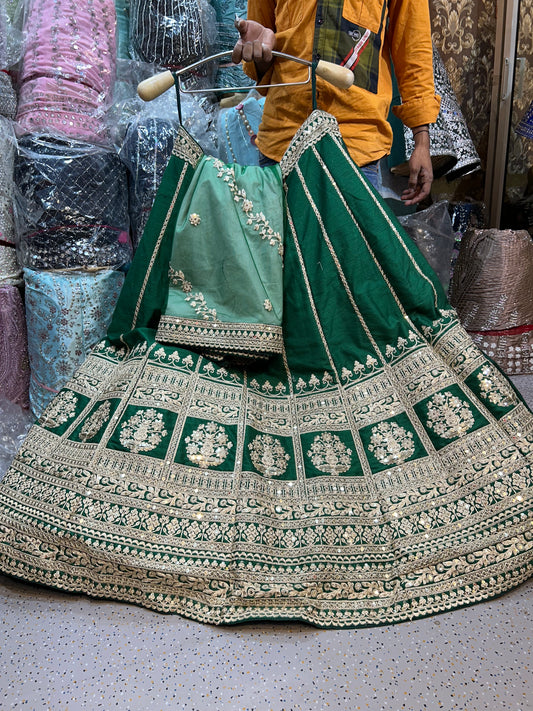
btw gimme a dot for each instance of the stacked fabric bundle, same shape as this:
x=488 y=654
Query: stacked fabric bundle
x=70 y=192
x=67 y=316
x=71 y=203
x=68 y=68
x=491 y=290
x=14 y=368
x=170 y=33
x=146 y=150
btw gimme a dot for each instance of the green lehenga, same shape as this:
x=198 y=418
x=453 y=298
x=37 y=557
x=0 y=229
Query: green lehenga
x=378 y=469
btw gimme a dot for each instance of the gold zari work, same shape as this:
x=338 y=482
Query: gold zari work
x=293 y=539
x=377 y=470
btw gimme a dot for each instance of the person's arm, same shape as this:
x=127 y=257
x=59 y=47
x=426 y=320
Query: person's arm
x=409 y=38
x=420 y=168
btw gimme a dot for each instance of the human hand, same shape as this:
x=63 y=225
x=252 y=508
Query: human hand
x=420 y=170
x=255 y=44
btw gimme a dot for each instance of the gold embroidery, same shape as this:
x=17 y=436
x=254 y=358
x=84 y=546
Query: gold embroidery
x=221 y=337
x=449 y=416
x=94 y=423
x=390 y=443
x=208 y=445
x=143 y=432
x=177 y=278
x=329 y=454
x=199 y=304
x=186 y=148
x=258 y=220
x=494 y=388
x=195 y=219
x=61 y=410
x=268 y=455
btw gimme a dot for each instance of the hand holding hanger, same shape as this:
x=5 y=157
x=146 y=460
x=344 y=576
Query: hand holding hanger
x=153 y=87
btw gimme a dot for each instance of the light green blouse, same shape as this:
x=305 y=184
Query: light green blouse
x=225 y=276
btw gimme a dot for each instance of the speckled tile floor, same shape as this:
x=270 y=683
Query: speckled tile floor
x=61 y=652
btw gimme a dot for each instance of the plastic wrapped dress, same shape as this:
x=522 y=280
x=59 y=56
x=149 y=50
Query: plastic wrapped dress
x=67 y=313
x=71 y=205
x=68 y=68
x=377 y=470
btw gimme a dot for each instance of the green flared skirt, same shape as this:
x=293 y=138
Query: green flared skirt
x=376 y=470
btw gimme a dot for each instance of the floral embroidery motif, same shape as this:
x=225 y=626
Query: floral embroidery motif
x=197 y=301
x=61 y=410
x=403 y=345
x=390 y=443
x=143 y=432
x=494 y=388
x=314 y=383
x=208 y=445
x=329 y=454
x=177 y=278
x=257 y=220
x=268 y=455
x=199 y=304
x=94 y=423
x=195 y=219
x=359 y=370
x=268 y=305
x=449 y=416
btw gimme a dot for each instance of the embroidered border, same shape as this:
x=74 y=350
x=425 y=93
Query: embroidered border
x=218 y=337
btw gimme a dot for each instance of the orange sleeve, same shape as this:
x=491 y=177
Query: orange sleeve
x=409 y=35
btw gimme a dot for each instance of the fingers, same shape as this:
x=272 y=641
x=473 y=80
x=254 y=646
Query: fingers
x=412 y=196
x=255 y=43
x=254 y=51
x=420 y=179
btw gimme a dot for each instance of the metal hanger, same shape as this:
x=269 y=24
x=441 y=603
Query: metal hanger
x=154 y=86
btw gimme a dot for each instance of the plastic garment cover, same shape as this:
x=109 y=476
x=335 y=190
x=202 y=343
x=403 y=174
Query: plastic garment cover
x=10 y=35
x=67 y=314
x=10 y=270
x=14 y=425
x=171 y=33
x=146 y=146
x=8 y=97
x=68 y=68
x=8 y=146
x=146 y=150
x=122 y=10
x=432 y=232
x=226 y=10
x=491 y=290
x=71 y=205
x=14 y=367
